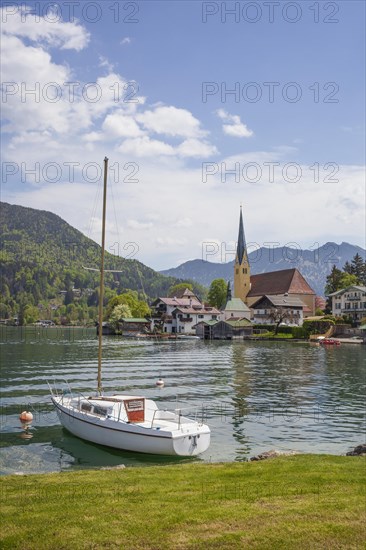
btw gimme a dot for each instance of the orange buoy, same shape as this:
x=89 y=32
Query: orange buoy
x=159 y=383
x=26 y=416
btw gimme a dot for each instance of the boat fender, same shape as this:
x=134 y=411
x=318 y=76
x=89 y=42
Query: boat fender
x=26 y=416
x=160 y=383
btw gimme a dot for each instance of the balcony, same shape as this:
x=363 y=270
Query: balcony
x=353 y=307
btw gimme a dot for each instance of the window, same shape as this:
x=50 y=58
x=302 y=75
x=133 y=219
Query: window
x=86 y=407
x=100 y=411
x=237 y=271
x=200 y=316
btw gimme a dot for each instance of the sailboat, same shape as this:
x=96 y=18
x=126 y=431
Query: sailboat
x=127 y=422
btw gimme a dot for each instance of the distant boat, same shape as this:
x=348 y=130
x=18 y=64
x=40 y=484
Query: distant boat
x=329 y=342
x=127 y=422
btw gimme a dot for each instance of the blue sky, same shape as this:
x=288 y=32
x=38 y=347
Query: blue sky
x=298 y=156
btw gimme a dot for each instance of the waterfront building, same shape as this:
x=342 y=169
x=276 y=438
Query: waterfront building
x=350 y=301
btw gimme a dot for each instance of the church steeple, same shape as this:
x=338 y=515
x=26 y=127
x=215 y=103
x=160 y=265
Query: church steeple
x=241 y=266
x=241 y=248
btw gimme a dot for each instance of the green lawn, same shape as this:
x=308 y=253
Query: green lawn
x=304 y=501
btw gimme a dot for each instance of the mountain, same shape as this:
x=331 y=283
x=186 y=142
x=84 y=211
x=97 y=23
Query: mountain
x=42 y=255
x=314 y=265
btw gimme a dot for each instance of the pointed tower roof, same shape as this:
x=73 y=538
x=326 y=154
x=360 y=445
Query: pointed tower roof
x=241 y=248
x=228 y=292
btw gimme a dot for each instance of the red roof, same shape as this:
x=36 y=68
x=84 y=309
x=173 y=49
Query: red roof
x=279 y=282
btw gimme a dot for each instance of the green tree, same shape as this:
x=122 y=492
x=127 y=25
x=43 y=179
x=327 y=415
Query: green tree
x=119 y=312
x=348 y=279
x=333 y=281
x=138 y=308
x=359 y=269
x=4 y=311
x=30 y=315
x=216 y=296
x=175 y=290
x=69 y=297
x=72 y=313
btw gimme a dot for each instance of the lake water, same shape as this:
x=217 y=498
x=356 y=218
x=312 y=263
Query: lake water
x=255 y=396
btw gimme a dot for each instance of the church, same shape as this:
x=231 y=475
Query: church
x=265 y=292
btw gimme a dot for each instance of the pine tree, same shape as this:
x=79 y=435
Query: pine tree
x=359 y=269
x=334 y=281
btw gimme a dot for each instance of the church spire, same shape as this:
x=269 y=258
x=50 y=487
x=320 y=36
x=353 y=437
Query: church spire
x=241 y=265
x=241 y=248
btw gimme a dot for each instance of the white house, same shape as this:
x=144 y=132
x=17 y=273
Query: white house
x=269 y=308
x=185 y=318
x=235 y=309
x=180 y=315
x=350 y=301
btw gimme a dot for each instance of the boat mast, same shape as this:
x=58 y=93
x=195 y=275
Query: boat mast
x=101 y=285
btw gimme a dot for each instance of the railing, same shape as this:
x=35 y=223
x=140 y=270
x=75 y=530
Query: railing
x=177 y=415
x=54 y=392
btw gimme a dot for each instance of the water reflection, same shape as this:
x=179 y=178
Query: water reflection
x=256 y=395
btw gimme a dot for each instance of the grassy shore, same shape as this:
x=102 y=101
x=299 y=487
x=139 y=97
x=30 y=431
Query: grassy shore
x=304 y=501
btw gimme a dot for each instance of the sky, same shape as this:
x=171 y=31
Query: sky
x=200 y=107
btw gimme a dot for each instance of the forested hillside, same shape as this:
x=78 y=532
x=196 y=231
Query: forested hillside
x=42 y=264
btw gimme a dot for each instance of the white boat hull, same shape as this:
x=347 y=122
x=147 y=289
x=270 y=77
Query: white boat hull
x=187 y=440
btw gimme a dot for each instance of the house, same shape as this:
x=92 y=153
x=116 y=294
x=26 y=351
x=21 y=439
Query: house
x=184 y=319
x=133 y=326
x=350 y=301
x=180 y=314
x=278 y=308
x=231 y=329
x=234 y=308
x=288 y=282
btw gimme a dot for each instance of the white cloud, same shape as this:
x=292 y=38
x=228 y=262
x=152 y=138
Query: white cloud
x=145 y=147
x=196 y=148
x=92 y=137
x=135 y=224
x=172 y=122
x=103 y=62
x=184 y=222
x=48 y=30
x=125 y=40
x=167 y=194
x=167 y=242
x=233 y=125
x=118 y=124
